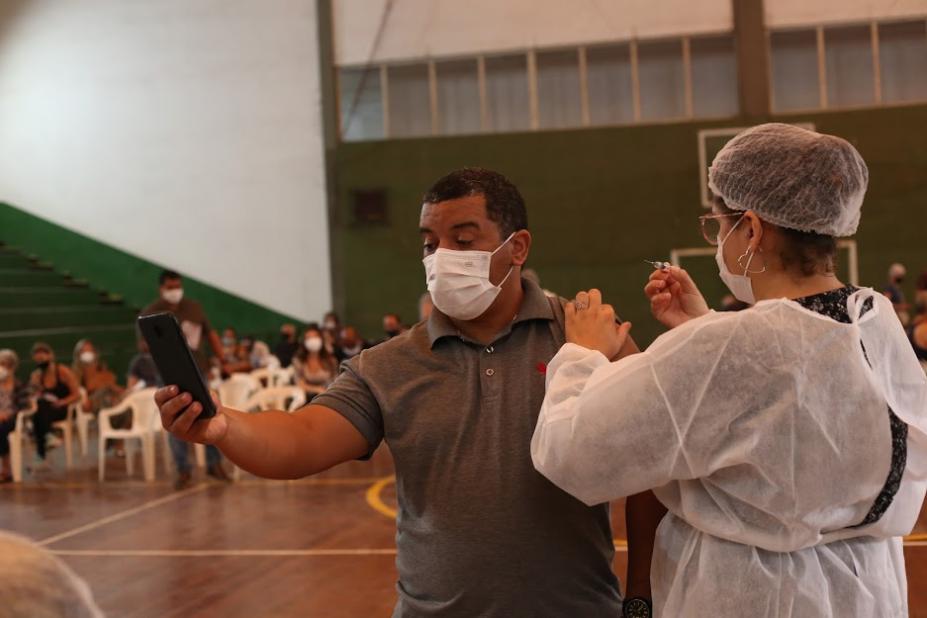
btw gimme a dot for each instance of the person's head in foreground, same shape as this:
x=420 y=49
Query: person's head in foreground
x=783 y=195
x=36 y=584
x=479 y=212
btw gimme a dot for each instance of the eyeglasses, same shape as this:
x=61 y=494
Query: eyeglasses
x=711 y=226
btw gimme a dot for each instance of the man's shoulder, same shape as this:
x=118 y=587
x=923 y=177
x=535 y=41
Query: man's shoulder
x=411 y=345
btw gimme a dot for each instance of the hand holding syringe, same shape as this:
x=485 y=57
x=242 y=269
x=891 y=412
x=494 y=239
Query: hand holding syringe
x=674 y=297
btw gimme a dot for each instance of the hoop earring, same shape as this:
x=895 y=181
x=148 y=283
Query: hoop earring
x=749 y=257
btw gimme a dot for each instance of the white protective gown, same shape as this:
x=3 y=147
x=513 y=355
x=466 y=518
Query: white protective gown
x=767 y=436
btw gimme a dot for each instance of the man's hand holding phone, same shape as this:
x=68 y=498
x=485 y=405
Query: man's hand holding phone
x=180 y=416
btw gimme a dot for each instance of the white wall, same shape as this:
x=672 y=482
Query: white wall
x=436 y=28
x=789 y=13
x=186 y=132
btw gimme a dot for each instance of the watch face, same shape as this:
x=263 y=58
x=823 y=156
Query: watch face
x=636 y=608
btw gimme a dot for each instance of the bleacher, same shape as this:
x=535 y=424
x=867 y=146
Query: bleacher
x=39 y=303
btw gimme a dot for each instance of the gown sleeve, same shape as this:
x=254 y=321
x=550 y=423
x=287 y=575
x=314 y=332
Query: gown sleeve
x=609 y=430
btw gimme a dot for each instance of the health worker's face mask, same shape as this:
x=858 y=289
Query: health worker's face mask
x=740 y=285
x=459 y=281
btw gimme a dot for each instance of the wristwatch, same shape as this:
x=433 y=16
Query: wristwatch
x=638 y=607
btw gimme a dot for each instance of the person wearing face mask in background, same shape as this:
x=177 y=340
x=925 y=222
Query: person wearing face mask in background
x=56 y=388
x=480 y=532
x=287 y=346
x=97 y=380
x=201 y=339
x=787 y=441
x=315 y=365
x=894 y=292
x=14 y=398
x=392 y=326
x=351 y=344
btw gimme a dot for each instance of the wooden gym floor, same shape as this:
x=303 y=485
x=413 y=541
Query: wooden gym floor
x=316 y=547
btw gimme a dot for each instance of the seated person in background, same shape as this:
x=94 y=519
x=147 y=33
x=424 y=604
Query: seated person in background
x=56 y=389
x=315 y=366
x=261 y=357
x=235 y=354
x=894 y=292
x=331 y=329
x=351 y=344
x=13 y=399
x=36 y=584
x=142 y=372
x=94 y=376
x=392 y=326
x=287 y=346
x=918 y=333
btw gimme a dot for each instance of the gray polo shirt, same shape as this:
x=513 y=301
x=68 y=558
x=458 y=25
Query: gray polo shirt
x=479 y=531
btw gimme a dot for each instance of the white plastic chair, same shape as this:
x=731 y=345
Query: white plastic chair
x=82 y=420
x=16 y=439
x=283 y=376
x=235 y=391
x=144 y=429
x=67 y=430
x=263 y=375
x=276 y=398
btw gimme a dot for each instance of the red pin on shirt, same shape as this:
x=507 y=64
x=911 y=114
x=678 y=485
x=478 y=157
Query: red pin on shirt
x=542 y=368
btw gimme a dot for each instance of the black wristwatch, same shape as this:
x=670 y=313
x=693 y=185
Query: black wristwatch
x=638 y=607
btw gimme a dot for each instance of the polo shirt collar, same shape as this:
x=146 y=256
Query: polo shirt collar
x=534 y=306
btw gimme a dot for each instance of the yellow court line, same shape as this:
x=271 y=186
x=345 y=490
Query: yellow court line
x=376 y=502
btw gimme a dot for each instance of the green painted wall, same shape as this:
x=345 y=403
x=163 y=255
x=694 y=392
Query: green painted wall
x=116 y=271
x=602 y=200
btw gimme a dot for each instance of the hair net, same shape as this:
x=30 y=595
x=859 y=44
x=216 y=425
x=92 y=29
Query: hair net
x=792 y=177
x=767 y=463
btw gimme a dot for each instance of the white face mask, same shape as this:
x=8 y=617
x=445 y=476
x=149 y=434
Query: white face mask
x=313 y=344
x=740 y=285
x=4 y=373
x=459 y=281
x=173 y=296
x=87 y=357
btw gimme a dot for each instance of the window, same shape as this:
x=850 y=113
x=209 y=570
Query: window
x=608 y=79
x=714 y=77
x=903 y=61
x=458 y=97
x=794 y=70
x=507 y=93
x=559 y=97
x=662 y=84
x=361 y=104
x=848 y=55
x=409 y=102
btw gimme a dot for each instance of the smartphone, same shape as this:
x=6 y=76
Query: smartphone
x=174 y=359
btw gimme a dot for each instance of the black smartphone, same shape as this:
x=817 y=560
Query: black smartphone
x=174 y=359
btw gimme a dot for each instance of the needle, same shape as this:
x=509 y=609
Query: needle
x=659 y=265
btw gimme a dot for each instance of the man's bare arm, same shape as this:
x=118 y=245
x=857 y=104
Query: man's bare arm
x=271 y=444
x=643 y=514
